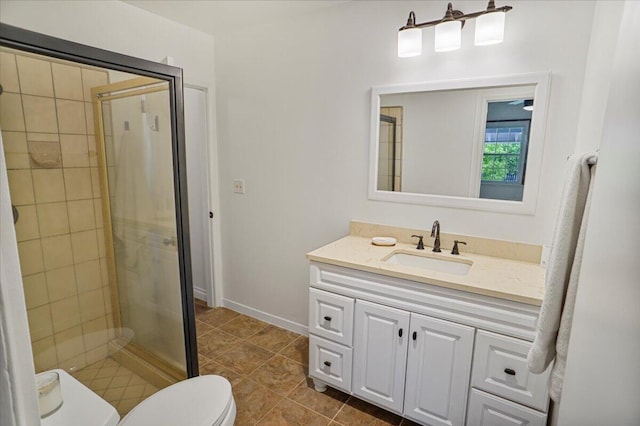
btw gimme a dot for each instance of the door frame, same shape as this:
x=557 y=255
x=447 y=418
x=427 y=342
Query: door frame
x=30 y=41
x=211 y=290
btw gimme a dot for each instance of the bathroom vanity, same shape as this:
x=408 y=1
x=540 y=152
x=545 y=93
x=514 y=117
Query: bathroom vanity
x=439 y=348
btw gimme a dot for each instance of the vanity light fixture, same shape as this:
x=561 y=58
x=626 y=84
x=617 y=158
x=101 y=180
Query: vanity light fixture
x=489 y=30
x=410 y=39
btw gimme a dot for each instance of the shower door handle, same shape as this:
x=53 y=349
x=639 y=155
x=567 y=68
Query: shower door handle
x=15 y=212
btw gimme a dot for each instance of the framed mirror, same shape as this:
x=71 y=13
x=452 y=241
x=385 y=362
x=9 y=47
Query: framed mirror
x=474 y=143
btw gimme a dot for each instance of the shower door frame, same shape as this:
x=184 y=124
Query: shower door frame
x=99 y=94
x=29 y=41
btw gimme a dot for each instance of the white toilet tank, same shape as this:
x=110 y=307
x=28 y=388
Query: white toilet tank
x=80 y=406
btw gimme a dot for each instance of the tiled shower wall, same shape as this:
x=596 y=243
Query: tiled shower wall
x=386 y=158
x=47 y=125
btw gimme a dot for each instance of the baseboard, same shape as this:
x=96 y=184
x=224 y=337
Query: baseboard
x=263 y=316
x=200 y=294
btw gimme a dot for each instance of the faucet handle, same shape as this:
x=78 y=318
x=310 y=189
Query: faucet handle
x=420 y=245
x=455 y=250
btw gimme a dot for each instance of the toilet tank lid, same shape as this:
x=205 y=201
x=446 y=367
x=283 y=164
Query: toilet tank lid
x=199 y=401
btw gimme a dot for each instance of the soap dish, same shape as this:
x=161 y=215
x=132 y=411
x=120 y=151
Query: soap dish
x=383 y=241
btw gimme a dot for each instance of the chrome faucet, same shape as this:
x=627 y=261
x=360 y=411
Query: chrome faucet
x=435 y=233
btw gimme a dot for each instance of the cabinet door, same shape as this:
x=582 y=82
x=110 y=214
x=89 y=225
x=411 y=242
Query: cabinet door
x=489 y=410
x=380 y=354
x=438 y=368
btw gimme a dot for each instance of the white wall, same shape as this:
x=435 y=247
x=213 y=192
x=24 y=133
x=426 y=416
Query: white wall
x=597 y=78
x=602 y=381
x=437 y=140
x=119 y=27
x=293 y=114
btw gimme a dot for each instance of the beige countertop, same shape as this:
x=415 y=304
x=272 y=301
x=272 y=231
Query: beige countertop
x=491 y=276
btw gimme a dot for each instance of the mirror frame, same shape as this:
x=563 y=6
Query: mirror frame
x=527 y=206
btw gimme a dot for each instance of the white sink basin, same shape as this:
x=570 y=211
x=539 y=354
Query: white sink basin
x=457 y=266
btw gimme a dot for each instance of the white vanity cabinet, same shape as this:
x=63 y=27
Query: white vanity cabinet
x=380 y=354
x=412 y=364
x=434 y=355
x=504 y=391
x=330 y=338
x=438 y=367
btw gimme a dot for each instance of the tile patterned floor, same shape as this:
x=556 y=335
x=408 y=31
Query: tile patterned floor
x=120 y=386
x=267 y=367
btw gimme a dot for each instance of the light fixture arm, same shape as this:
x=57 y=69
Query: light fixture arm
x=454 y=15
x=411 y=22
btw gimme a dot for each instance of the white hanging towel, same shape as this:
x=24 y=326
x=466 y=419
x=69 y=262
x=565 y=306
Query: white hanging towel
x=563 y=270
x=18 y=401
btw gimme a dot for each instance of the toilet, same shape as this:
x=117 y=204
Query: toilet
x=199 y=401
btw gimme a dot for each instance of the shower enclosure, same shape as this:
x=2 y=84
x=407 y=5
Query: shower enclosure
x=134 y=134
x=96 y=167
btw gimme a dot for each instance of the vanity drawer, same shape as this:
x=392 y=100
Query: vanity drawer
x=330 y=362
x=500 y=367
x=331 y=316
x=489 y=410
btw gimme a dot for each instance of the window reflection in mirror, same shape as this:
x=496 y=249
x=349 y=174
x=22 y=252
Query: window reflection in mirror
x=504 y=158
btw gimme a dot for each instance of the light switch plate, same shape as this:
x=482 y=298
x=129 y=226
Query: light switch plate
x=238 y=186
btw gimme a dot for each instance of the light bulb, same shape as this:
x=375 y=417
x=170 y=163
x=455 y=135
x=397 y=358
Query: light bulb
x=490 y=28
x=448 y=36
x=409 y=42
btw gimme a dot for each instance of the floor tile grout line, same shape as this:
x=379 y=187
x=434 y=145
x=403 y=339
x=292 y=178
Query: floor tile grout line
x=218 y=325
x=292 y=342
x=233 y=345
x=252 y=344
x=273 y=353
x=281 y=399
x=240 y=340
x=269 y=411
x=309 y=408
x=333 y=419
x=285 y=397
x=247 y=337
x=236 y=336
x=302 y=405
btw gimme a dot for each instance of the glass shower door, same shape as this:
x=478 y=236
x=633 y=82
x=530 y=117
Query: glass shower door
x=135 y=125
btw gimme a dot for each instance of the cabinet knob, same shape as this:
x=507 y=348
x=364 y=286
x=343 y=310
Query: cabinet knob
x=510 y=371
x=415 y=335
x=327 y=318
x=327 y=363
x=400 y=333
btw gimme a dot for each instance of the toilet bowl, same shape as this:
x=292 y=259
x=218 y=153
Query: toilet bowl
x=199 y=401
